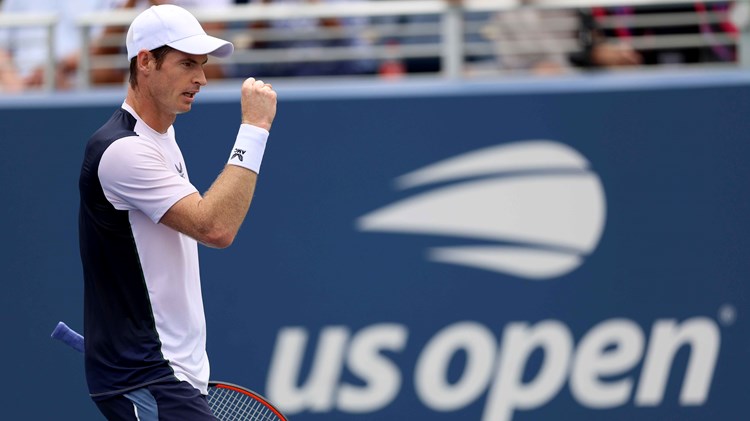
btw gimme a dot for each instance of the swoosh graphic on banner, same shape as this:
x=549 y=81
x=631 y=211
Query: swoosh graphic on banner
x=540 y=202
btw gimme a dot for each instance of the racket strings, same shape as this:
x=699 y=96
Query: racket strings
x=230 y=405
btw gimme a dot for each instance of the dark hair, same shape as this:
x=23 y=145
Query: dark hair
x=159 y=55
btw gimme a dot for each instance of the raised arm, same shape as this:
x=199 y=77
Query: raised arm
x=215 y=218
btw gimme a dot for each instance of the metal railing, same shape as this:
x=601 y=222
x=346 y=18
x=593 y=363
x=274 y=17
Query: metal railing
x=43 y=20
x=451 y=33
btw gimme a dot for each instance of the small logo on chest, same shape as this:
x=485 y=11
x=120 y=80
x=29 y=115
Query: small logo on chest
x=180 y=170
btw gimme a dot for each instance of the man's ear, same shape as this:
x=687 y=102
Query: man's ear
x=145 y=60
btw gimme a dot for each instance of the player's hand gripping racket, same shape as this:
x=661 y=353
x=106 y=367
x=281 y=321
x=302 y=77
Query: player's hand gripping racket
x=227 y=401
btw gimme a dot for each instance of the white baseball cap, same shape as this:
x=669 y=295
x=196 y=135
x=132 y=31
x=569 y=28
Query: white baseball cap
x=174 y=26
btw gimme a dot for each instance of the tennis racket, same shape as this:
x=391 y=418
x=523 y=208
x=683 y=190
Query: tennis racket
x=227 y=401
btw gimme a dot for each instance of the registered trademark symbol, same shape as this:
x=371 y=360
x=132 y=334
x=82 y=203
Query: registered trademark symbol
x=727 y=314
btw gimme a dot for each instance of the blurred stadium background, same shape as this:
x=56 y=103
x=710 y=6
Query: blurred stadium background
x=474 y=210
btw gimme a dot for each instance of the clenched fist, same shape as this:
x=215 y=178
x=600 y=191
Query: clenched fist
x=258 y=103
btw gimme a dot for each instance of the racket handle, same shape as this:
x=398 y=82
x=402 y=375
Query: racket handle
x=68 y=336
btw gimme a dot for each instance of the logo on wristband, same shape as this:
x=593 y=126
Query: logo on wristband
x=239 y=154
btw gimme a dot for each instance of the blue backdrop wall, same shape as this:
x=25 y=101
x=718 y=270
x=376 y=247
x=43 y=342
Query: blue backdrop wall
x=567 y=249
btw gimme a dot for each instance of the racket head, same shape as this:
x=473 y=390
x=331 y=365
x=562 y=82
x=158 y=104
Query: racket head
x=230 y=402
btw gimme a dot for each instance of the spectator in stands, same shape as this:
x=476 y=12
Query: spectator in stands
x=10 y=80
x=595 y=51
x=104 y=76
x=523 y=39
x=24 y=50
x=306 y=36
x=526 y=41
x=540 y=41
x=413 y=31
x=718 y=36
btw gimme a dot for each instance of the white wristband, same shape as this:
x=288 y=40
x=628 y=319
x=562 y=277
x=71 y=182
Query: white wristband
x=249 y=147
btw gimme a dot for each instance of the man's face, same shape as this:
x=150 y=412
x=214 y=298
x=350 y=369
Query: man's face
x=175 y=84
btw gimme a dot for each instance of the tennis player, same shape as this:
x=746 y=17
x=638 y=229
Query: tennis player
x=141 y=219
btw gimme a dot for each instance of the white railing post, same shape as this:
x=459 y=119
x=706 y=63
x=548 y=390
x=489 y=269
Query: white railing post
x=452 y=57
x=50 y=65
x=84 y=63
x=743 y=25
x=744 y=48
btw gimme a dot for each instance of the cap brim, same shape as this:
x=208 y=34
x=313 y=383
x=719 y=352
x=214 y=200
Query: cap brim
x=203 y=44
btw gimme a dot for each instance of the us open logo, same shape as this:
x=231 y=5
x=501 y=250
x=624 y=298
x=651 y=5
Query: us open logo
x=534 y=208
